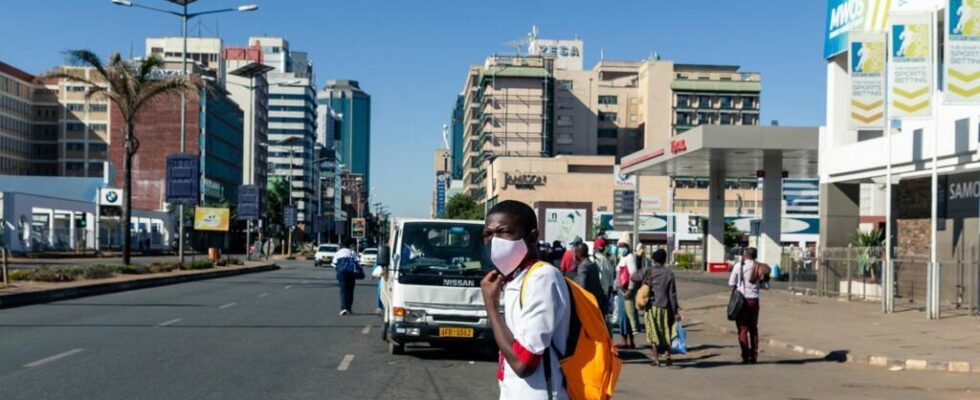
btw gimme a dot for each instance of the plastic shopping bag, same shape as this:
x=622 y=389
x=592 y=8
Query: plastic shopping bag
x=678 y=345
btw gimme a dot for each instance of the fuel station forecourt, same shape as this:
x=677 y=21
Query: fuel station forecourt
x=726 y=152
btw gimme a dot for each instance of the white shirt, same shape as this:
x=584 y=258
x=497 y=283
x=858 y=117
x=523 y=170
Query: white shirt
x=749 y=290
x=342 y=253
x=540 y=325
x=629 y=262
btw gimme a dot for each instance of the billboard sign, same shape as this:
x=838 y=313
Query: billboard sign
x=568 y=54
x=358 y=227
x=961 y=68
x=910 y=70
x=182 y=175
x=564 y=224
x=866 y=65
x=847 y=16
x=622 y=182
x=248 y=202
x=211 y=219
x=440 y=194
x=289 y=215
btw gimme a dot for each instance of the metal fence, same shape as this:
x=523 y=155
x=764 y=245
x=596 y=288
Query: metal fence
x=860 y=273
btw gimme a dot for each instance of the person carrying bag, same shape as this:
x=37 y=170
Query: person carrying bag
x=743 y=306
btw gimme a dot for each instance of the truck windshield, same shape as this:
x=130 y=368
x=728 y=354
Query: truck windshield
x=438 y=248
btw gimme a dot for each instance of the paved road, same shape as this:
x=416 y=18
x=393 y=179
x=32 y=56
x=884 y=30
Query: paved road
x=277 y=335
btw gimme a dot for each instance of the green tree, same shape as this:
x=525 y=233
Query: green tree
x=130 y=86
x=733 y=236
x=462 y=206
x=278 y=197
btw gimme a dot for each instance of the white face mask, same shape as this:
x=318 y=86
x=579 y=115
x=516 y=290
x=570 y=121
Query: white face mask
x=507 y=254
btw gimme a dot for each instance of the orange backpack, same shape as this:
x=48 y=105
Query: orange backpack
x=591 y=364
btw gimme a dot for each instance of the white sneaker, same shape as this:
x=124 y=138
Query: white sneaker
x=344 y=312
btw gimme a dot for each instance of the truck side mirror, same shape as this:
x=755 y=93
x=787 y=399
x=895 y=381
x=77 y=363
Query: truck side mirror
x=384 y=256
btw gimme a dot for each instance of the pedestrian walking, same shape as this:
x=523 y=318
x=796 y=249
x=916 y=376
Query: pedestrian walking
x=749 y=277
x=587 y=276
x=661 y=310
x=625 y=270
x=568 y=260
x=345 y=264
x=533 y=329
x=607 y=273
x=557 y=252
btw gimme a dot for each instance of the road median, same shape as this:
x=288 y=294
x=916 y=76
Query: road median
x=29 y=292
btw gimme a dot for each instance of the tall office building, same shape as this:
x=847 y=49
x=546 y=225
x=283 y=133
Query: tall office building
x=213 y=131
x=292 y=131
x=353 y=141
x=247 y=85
x=16 y=91
x=459 y=112
x=508 y=114
x=204 y=51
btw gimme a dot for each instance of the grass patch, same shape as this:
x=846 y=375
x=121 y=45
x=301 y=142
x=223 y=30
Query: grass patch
x=98 y=271
x=132 y=269
x=159 y=267
x=20 y=275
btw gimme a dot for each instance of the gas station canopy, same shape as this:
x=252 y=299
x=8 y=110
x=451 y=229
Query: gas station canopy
x=737 y=150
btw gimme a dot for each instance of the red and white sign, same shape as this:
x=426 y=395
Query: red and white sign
x=677 y=146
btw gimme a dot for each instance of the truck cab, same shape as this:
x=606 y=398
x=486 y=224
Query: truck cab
x=431 y=284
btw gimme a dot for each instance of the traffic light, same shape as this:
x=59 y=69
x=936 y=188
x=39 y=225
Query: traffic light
x=82 y=222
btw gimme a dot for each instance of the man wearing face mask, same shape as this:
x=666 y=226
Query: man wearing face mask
x=533 y=332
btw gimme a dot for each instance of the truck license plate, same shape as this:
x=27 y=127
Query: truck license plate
x=456 y=332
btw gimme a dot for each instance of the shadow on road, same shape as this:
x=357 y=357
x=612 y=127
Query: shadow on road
x=458 y=353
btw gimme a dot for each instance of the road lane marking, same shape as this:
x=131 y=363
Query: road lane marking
x=224 y=306
x=345 y=362
x=171 y=322
x=57 y=357
x=263 y=294
x=367 y=328
x=287 y=287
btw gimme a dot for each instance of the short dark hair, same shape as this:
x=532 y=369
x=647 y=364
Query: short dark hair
x=350 y=243
x=751 y=252
x=526 y=217
x=582 y=250
x=660 y=256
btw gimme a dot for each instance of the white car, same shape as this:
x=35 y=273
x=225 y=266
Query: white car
x=324 y=254
x=369 y=256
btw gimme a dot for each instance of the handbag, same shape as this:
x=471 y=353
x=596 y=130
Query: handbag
x=358 y=271
x=736 y=302
x=376 y=272
x=642 y=298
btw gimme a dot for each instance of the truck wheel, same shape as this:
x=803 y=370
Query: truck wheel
x=394 y=348
x=384 y=331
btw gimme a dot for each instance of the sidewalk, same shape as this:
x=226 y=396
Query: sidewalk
x=859 y=331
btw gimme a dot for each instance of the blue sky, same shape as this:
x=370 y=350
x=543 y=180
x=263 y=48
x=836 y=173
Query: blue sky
x=412 y=56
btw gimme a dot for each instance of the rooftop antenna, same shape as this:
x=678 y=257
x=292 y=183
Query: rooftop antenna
x=602 y=54
x=445 y=136
x=525 y=42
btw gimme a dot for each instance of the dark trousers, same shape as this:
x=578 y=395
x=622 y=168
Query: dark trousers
x=347 y=282
x=748 y=329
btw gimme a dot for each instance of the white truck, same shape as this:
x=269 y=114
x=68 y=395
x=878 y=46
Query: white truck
x=431 y=284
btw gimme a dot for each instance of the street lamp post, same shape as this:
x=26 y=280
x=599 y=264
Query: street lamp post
x=184 y=17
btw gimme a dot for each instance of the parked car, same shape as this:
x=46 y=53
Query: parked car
x=369 y=256
x=324 y=254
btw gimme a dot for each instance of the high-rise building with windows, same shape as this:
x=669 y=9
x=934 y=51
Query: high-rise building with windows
x=352 y=106
x=16 y=93
x=457 y=137
x=292 y=133
x=205 y=51
x=247 y=85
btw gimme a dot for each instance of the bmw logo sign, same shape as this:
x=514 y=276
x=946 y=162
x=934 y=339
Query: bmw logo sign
x=111 y=197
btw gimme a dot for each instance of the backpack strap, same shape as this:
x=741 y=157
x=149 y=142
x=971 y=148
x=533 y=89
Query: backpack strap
x=527 y=276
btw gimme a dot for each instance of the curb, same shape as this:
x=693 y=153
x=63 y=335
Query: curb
x=910 y=364
x=46 y=296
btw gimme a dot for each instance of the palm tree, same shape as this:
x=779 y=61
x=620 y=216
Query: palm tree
x=130 y=86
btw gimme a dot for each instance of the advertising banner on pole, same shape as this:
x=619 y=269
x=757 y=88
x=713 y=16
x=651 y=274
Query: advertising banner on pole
x=910 y=65
x=357 y=228
x=211 y=219
x=962 y=47
x=867 y=79
x=564 y=224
